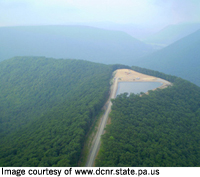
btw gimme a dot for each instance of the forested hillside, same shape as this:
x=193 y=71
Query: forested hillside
x=159 y=129
x=181 y=58
x=47 y=106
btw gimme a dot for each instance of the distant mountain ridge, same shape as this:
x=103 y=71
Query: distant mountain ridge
x=172 y=33
x=80 y=42
x=181 y=58
x=135 y=30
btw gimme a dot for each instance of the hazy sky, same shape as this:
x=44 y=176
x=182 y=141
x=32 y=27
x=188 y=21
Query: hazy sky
x=148 y=12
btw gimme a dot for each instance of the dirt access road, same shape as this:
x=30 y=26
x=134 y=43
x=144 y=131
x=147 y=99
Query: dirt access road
x=120 y=75
x=95 y=147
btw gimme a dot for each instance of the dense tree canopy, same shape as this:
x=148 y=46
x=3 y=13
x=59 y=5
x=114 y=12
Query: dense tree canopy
x=159 y=129
x=47 y=106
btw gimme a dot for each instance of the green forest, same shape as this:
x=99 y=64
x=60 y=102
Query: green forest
x=47 y=107
x=159 y=129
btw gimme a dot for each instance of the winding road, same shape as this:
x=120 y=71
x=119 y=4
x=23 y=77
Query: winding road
x=96 y=145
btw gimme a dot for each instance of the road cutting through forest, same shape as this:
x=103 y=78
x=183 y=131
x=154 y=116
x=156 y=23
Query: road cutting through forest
x=119 y=76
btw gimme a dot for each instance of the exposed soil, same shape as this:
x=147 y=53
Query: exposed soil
x=133 y=76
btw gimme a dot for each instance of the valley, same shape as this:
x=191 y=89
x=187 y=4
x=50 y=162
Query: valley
x=41 y=96
x=180 y=58
x=100 y=84
x=72 y=42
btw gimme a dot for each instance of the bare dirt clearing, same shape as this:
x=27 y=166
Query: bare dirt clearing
x=127 y=75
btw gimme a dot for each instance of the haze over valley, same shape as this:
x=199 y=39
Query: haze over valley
x=77 y=42
x=61 y=63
